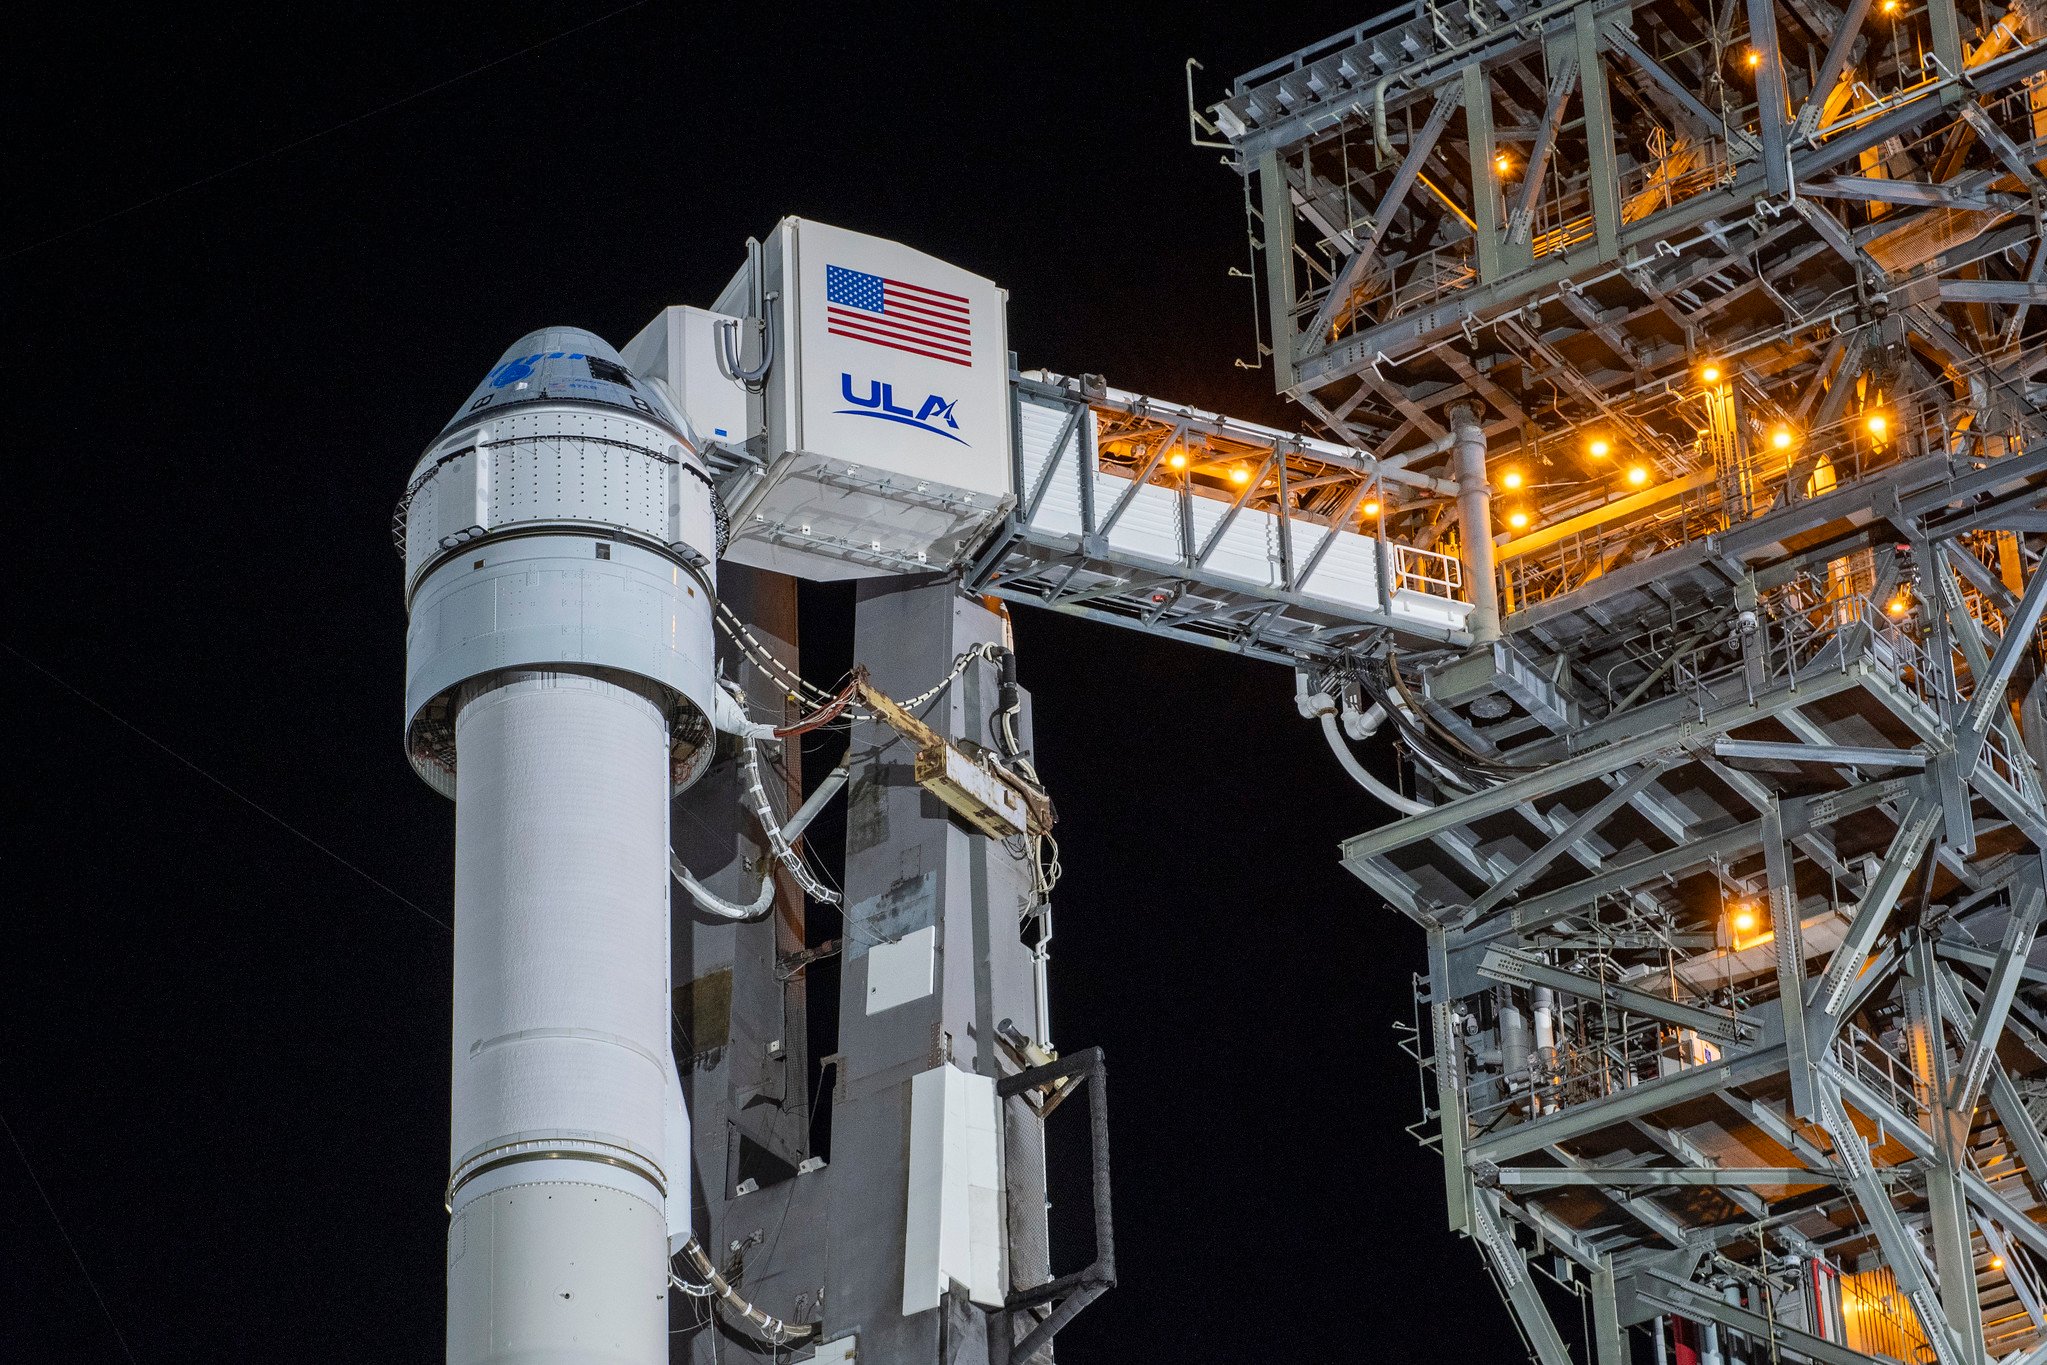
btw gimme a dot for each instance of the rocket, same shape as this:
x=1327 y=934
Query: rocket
x=560 y=545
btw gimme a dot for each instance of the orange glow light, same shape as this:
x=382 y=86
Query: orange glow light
x=1517 y=519
x=1877 y=425
x=1638 y=475
x=1744 y=919
x=1372 y=507
x=1899 y=605
x=1511 y=479
x=1600 y=448
x=1997 y=1262
x=1755 y=59
x=1503 y=163
x=1709 y=374
x=1176 y=460
x=1781 y=438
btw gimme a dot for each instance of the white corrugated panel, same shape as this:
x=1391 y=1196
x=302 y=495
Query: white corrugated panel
x=1039 y=425
x=1348 y=572
x=1149 y=526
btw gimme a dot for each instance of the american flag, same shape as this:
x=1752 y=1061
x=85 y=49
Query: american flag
x=902 y=317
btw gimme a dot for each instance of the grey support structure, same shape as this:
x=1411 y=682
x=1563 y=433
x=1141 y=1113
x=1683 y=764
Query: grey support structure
x=1711 y=335
x=936 y=988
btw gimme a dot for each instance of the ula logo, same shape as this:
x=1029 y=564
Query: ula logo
x=880 y=401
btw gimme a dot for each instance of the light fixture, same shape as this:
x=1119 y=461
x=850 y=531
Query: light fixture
x=1517 y=519
x=1638 y=474
x=1503 y=163
x=1890 y=6
x=1755 y=59
x=1600 y=448
x=1781 y=438
x=1899 y=605
x=1177 y=460
x=1997 y=1262
x=1371 y=507
x=1239 y=475
x=1709 y=373
x=1877 y=425
x=1744 y=919
x=1511 y=479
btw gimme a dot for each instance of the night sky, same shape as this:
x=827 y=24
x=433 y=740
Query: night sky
x=247 y=275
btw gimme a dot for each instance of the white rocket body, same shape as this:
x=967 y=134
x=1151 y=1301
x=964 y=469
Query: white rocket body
x=559 y=687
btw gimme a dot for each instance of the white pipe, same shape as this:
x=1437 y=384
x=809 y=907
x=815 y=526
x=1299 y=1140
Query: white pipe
x=1041 y=960
x=1513 y=1039
x=778 y=844
x=1407 y=805
x=712 y=903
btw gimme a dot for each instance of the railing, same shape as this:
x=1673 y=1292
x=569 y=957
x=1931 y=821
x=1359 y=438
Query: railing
x=1867 y=1060
x=1427 y=571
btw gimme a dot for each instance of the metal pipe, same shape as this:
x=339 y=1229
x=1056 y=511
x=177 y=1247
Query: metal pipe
x=1475 y=525
x=793 y=828
x=1513 y=1037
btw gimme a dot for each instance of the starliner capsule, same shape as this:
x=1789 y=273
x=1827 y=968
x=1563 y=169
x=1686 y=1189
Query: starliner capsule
x=560 y=542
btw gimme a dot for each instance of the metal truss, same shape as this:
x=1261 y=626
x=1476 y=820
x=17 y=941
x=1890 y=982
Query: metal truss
x=1209 y=529
x=1731 y=978
x=1732 y=861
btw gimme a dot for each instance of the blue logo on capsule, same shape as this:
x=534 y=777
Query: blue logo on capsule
x=512 y=371
x=880 y=401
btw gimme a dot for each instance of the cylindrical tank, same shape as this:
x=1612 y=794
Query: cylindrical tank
x=559 y=540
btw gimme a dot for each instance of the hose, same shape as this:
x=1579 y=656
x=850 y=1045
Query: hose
x=1407 y=805
x=765 y=1325
x=712 y=903
x=750 y=772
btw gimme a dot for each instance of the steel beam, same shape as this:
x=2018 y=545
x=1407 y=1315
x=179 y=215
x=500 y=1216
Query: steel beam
x=1597 y=814
x=1700 y=1304
x=1915 y=828
x=1901 y=1252
x=1352 y=274
x=1734 y=1068
x=2003 y=984
x=1515 y=967
x=1832 y=755
x=1511 y=1269
x=1650 y=1177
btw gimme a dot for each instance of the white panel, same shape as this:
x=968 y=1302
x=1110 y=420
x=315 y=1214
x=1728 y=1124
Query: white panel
x=953 y=1229
x=844 y=1351
x=557 y=1271
x=680 y=347
x=907 y=371
x=900 y=972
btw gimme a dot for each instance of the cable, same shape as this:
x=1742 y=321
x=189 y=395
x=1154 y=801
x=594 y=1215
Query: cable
x=750 y=772
x=768 y=1327
x=248 y=801
x=63 y=1232
x=314 y=137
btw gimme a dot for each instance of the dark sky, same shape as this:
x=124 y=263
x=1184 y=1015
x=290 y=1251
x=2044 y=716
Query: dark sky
x=224 y=1053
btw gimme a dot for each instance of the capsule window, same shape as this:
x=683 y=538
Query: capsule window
x=603 y=550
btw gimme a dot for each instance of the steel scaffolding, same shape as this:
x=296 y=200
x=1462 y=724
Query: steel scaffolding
x=1706 y=339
